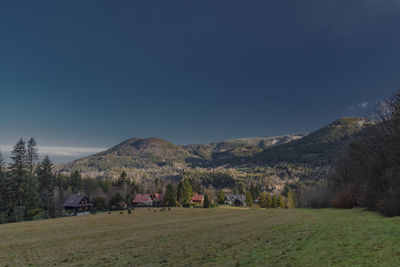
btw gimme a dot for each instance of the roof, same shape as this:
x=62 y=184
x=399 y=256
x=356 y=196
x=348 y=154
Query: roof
x=139 y=198
x=74 y=201
x=198 y=198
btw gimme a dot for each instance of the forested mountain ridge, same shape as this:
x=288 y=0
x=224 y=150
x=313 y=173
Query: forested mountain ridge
x=319 y=148
x=156 y=155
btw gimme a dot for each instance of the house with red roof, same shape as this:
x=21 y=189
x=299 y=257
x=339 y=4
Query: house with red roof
x=143 y=200
x=197 y=200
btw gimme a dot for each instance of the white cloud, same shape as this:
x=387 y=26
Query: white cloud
x=363 y=104
x=60 y=150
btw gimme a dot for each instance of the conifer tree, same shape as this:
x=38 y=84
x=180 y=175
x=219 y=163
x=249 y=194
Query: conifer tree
x=32 y=155
x=269 y=201
x=170 y=195
x=75 y=181
x=206 y=202
x=263 y=200
x=47 y=182
x=281 y=202
x=274 y=202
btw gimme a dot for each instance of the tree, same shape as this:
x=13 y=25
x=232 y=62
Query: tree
x=32 y=155
x=263 y=200
x=206 y=202
x=221 y=197
x=47 y=183
x=274 y=202
x=89 y=186
x=290 y=202
x=249 y=199
x=269 y=202
x=100 y=203
x=281 y=202
x=170 y=195
x=18 y=166
x=75 y=181
x=185 y=192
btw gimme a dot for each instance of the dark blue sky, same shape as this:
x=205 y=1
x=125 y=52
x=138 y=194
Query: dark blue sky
x=93 y=73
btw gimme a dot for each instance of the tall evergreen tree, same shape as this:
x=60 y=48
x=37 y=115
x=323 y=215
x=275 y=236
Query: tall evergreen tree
x=206 y=202
x=47 y=182
x=32 y=155
x=75 y=181
x=170 y=195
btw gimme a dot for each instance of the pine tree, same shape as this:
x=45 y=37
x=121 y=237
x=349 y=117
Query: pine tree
x=281 y=202
x=274 y=202
x=18 y=166
x=206 y=202
x=170 y=195
x=269 y=201
x=263 y=200
x=75 y=181
x=32 y=155
x=47 y=182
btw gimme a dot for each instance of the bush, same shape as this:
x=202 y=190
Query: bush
x=390 y=205
x=32 y=213
x=121 y=212
x=39 y=216
x=129 y=211
x=343 y=200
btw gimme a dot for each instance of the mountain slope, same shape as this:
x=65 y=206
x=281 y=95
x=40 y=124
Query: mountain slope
x=133 y=153
x=319 y=147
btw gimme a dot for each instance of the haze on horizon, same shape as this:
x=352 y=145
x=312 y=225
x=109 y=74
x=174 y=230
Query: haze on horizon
x=91 y=74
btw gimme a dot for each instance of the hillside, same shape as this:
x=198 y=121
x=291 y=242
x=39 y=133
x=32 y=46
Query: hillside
x=206 y=237
x=153 y=157
x=320 y=147
x=133 y=153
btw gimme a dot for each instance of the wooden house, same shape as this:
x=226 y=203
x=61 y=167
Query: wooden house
x=143 y=200
x=78 y=204
x=197 y=200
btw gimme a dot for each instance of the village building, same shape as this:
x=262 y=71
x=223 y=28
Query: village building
x=143 y=200
x=197 y=200
x=78 y=204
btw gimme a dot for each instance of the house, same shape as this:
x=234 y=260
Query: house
x=143 y=200
x=78 y=204
x=197 y=200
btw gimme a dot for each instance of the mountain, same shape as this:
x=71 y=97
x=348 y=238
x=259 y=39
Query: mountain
x=320 y=147
x=154 y=156
x=133 y=153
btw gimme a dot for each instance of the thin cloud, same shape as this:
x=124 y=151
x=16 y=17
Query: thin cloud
x=363 y=104
x=60 y=150
x=357 y=106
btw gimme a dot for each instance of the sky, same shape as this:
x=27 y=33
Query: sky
x=82 y=76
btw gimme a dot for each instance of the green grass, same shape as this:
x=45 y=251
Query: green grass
x=193 y=237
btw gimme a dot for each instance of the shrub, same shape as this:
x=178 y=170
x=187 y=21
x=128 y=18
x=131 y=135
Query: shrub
x=121 y=212
x=390 y=205
x=39 y=216
x=343 y=200
x=129 y=211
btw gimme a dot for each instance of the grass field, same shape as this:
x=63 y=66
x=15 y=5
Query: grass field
x=220 y=236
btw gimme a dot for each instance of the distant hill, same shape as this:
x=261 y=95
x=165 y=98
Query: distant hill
x=133 y=153
x=317 y=148
x=320 y=147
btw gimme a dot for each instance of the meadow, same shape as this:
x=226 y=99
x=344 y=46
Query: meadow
x=208 y=237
